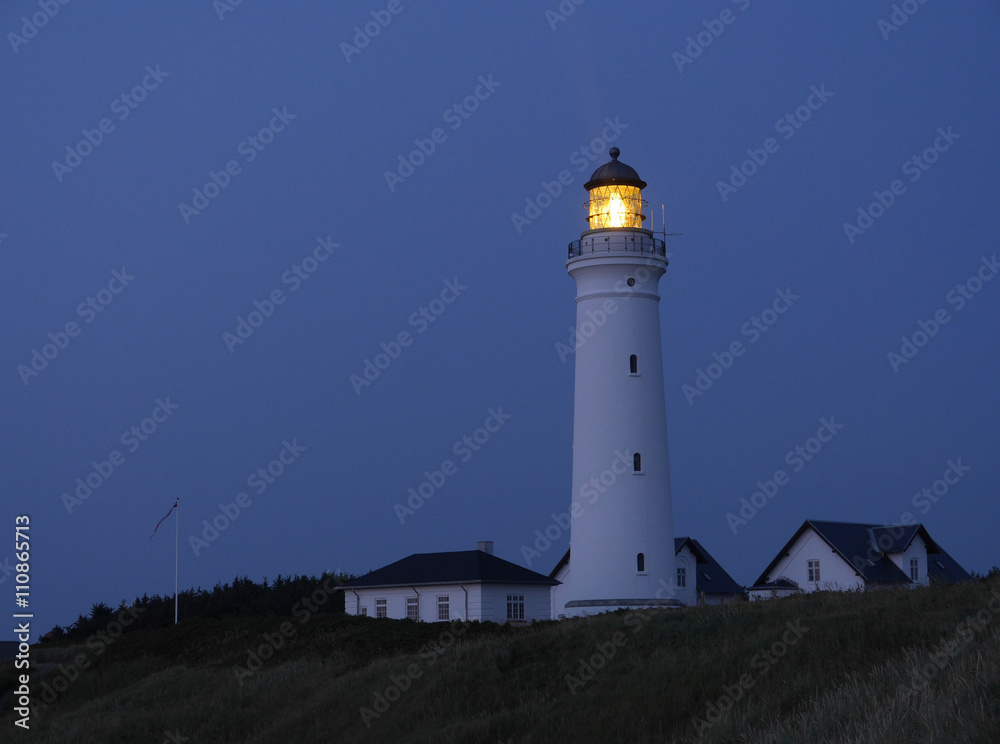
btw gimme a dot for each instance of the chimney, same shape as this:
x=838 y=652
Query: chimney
x=486 y=546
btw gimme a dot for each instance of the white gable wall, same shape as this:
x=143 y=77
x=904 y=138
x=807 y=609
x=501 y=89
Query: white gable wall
x=396 y=600
x=559 y=592
x=687 y=594
x=918 y=550
x=835 y=572
x=484 y=601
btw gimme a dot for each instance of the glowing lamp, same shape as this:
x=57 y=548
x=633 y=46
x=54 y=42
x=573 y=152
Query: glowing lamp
x=615 y=195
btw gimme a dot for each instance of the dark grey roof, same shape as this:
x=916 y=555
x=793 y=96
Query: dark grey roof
x=463 y=566
x=865 y=547
x=942 y=567
x=712 y=578
x=614 y=172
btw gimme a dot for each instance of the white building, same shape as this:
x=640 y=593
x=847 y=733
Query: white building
x=842 y=556
x=460 y=585
x=700 y=579
x=622 y=532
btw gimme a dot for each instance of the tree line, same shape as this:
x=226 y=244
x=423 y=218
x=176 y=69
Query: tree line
x=241 y=598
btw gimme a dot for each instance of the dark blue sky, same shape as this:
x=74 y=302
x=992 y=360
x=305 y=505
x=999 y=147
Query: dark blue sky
x=862 y=106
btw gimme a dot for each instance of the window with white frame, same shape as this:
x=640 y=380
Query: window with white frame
x=813 y=570
x=915 y=569
x=380 y=607
x=364 y=610
x=413 y=608
x=682 y=574
x=515 y=607
x=443 y=611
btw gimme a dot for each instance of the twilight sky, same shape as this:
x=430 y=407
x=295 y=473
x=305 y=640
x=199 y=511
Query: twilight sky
x=213 y=215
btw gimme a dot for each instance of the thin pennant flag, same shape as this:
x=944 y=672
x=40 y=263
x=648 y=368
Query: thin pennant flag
x=161 y=521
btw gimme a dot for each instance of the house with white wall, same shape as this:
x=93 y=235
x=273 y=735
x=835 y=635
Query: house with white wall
x=842 y=556
x=459 y=585
x=700 y=579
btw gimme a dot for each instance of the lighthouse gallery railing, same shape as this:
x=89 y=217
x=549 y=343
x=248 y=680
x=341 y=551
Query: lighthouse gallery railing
x=616 y=243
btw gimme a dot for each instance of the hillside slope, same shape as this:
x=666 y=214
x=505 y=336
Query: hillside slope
x=895 y=666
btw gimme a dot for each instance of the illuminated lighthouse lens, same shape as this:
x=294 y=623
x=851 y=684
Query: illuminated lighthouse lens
x=615 y=206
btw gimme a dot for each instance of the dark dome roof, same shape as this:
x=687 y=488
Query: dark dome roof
x=614 y=172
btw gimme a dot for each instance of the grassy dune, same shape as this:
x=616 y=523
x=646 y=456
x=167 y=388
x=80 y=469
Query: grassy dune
x=895 y=666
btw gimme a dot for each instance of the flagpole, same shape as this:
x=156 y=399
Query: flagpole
x=177 y=532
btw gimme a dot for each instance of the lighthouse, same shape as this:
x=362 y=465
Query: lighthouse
x=622 y=534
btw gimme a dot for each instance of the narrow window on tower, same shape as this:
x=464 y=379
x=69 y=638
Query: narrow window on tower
x=633 y=365
x=636 y=463
x=640 y=563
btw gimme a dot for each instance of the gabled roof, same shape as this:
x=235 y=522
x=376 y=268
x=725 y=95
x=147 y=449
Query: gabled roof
x=458 y=567
x=712 y=578
x=865 y=547
x=942 y=567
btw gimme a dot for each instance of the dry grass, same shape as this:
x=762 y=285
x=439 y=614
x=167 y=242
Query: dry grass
x=669 y=678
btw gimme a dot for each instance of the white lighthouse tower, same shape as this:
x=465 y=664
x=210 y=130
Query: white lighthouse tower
x=622 y=534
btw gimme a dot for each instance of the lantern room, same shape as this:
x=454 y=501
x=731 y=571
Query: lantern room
x=615 y=195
